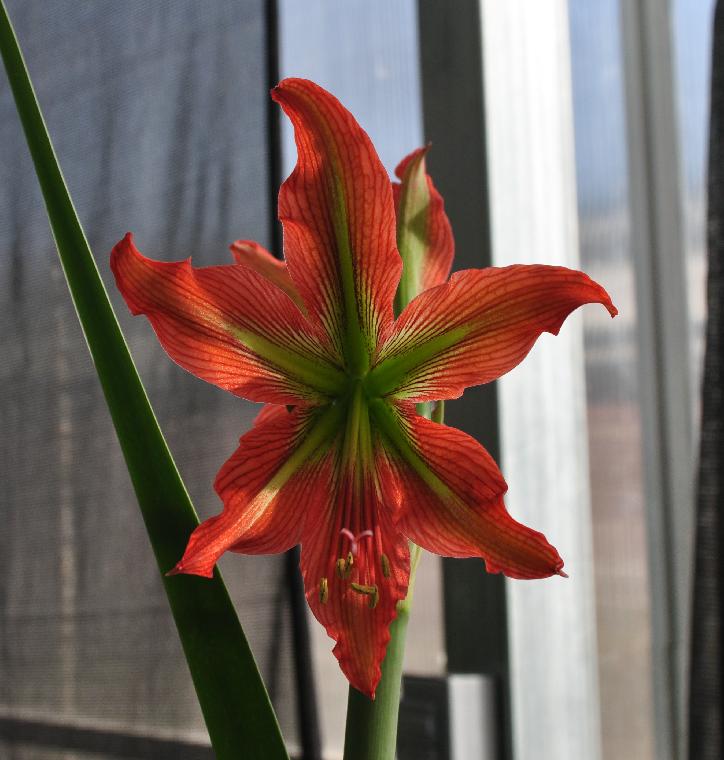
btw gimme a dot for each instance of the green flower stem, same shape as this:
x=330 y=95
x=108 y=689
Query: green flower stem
x=371 y=732
x=234 y=702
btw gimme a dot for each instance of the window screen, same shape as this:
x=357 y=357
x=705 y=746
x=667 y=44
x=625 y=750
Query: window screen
x=157 y=111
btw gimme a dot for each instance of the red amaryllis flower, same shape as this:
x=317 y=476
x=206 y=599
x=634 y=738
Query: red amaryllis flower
x=339 y=460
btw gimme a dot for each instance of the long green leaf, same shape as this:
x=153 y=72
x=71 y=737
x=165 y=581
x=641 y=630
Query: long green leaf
x=236 y=707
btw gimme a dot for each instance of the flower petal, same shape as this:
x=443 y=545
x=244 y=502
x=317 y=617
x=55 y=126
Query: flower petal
x=227 y=325
x=356 y=608
x=269 y=412
x=339 y=222
x=477 y=327
x=267 y=487
x=254 y=256
x=447 y=493
x=424 y=235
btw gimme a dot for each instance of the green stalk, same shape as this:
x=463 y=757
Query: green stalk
x=371 y=732
x=236 y=707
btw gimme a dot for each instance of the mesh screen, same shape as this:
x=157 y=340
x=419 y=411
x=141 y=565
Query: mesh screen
x=157 y=111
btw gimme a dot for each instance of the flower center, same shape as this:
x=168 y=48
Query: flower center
x=345 y=566
x=351 y=569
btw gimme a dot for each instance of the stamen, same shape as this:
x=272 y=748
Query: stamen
x=350 y=560
x=370 y=591
x=344 y=567
x=386 y=571
x=323 y=591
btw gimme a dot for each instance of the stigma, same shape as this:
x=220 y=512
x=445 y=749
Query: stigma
x=354 y=540
x=344 y=566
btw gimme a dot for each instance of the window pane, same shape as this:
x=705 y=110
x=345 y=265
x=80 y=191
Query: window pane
x=614 y=416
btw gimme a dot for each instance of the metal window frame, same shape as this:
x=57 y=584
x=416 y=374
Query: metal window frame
x=90 y=737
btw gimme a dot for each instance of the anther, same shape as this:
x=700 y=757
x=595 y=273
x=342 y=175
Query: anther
x=344 y=567
x=385 y=565
x=370 y=591
x=323 y=591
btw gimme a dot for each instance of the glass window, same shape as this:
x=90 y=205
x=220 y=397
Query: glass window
x=614 y=414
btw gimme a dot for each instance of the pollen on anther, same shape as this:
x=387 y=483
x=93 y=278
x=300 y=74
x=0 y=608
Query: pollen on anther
x=369 y=591
x=374 y=598
x=386 y=571
x=323 y=591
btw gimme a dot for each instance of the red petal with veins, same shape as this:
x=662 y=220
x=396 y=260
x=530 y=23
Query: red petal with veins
x=269 y=412
x=227 y=325
x=448 y=495
x=421 y=220
x=264 y=507
x=360 y=630
x=254 y=256
x=338 y=217
x=477 y=327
